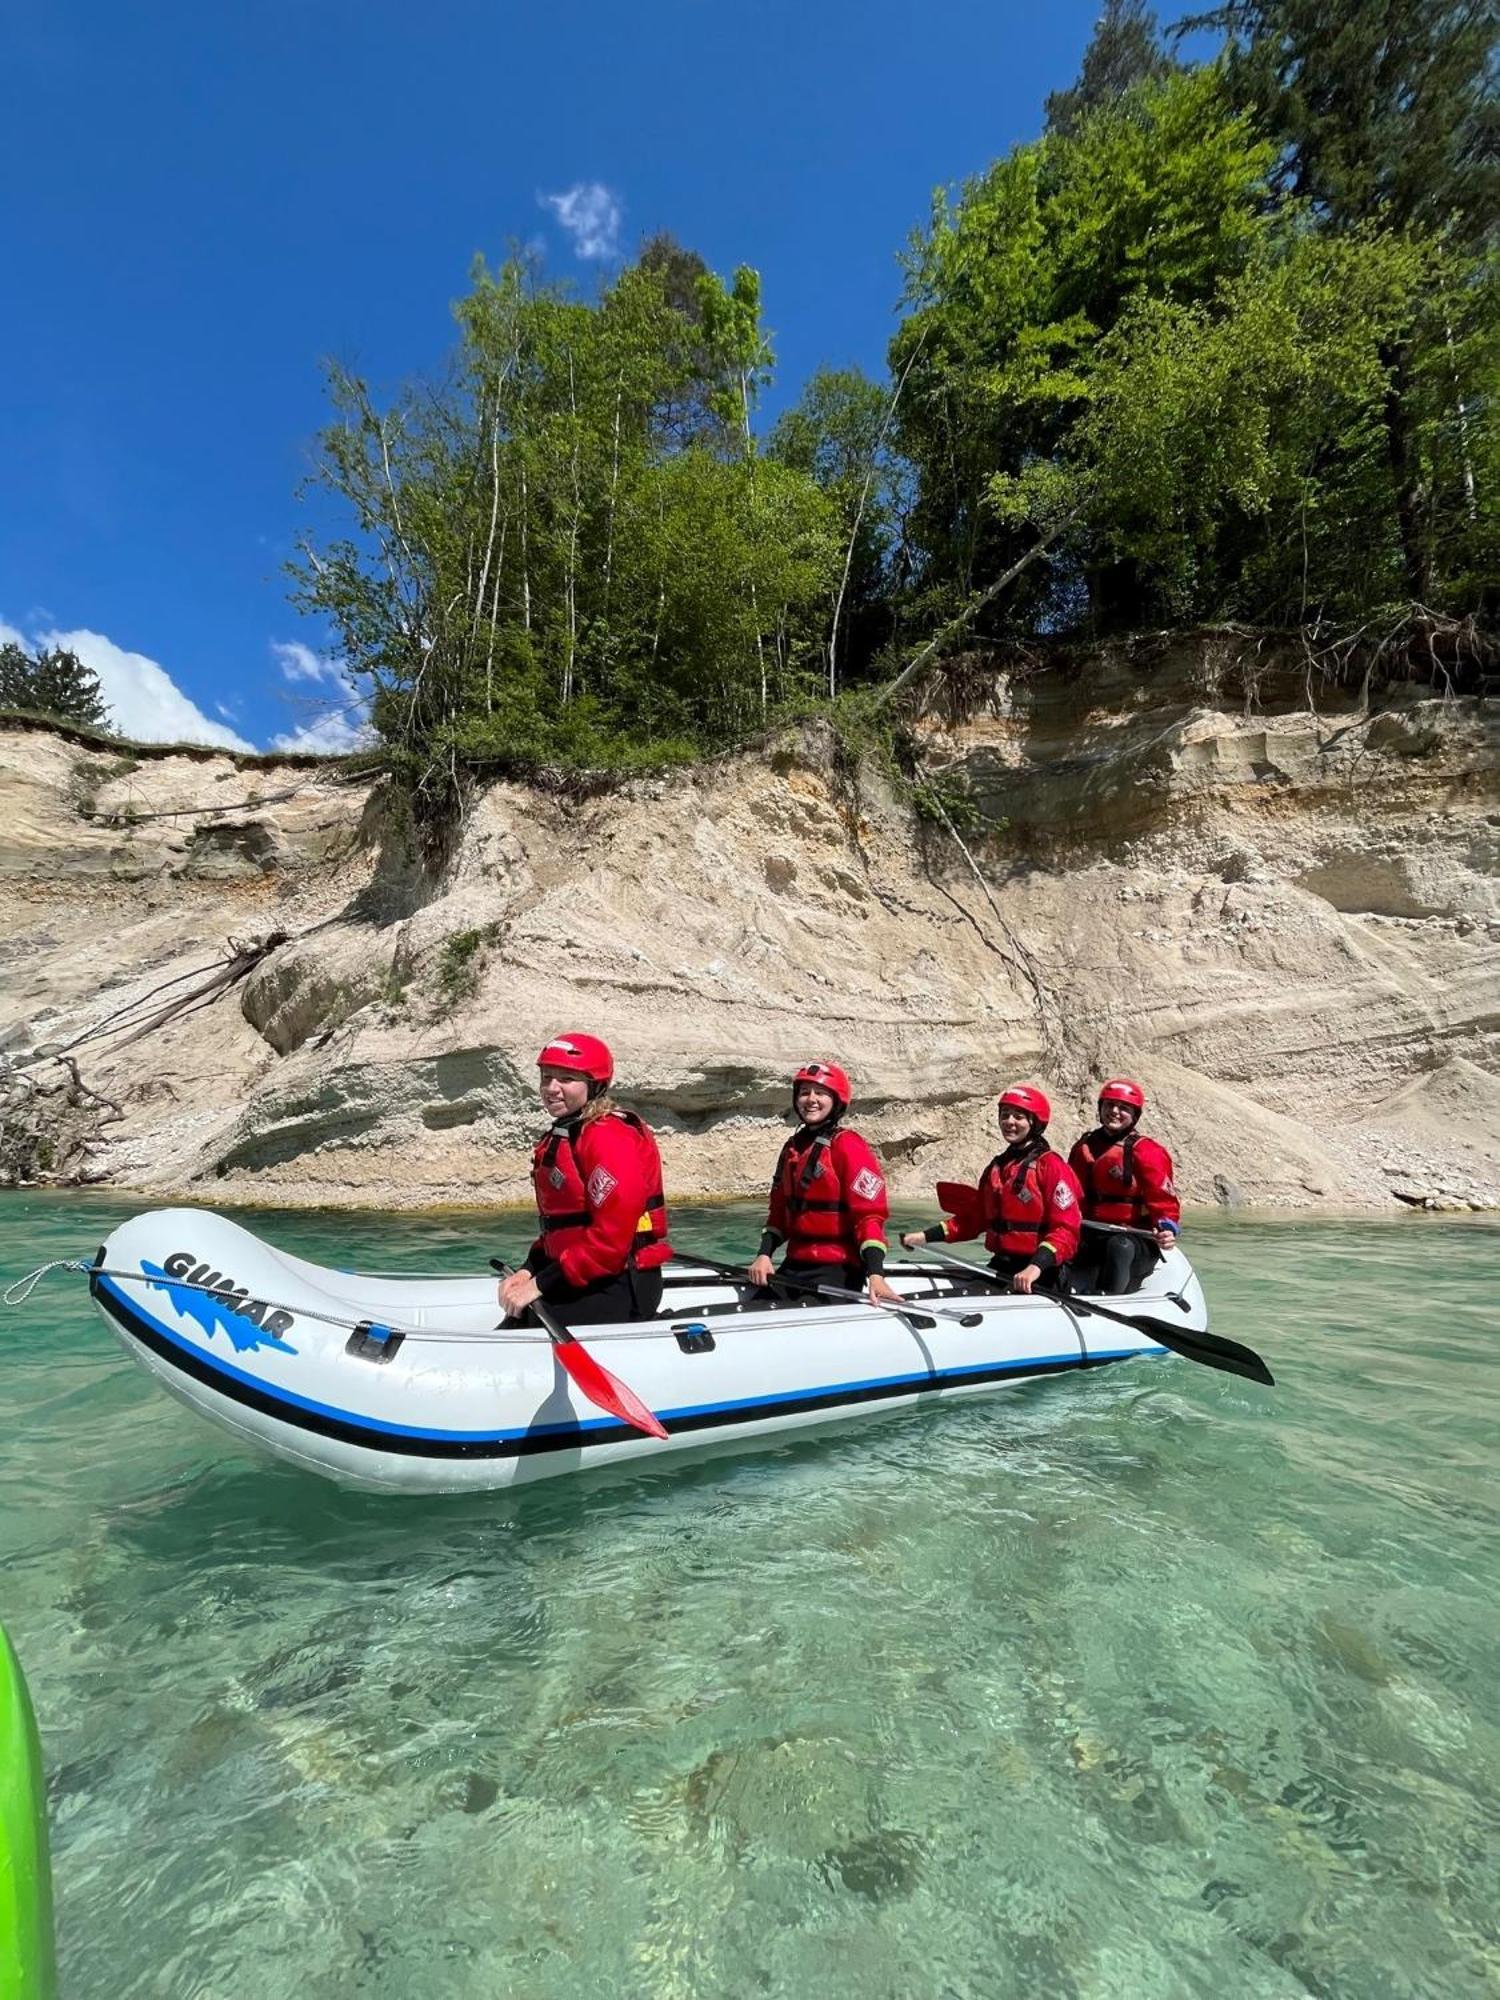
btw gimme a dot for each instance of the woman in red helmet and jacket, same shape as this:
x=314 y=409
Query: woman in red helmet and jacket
x=1026 y=1204
x=828 y=1200
x=597 y=1175
x=1127 y=1182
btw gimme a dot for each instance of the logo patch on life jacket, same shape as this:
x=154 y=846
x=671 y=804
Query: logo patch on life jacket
x=1117 y=1171
x=556 y=1176
x=1063 y=1196
x=867 y=1183
x=602 y=1185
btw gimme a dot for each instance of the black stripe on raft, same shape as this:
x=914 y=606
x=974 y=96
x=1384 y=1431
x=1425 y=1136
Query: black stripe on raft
x=370 y=1439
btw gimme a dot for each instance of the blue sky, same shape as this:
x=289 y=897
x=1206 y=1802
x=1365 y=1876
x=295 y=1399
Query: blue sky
x=201 y=202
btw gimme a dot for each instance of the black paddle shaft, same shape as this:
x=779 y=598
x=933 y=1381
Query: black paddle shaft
x=1210 y=1349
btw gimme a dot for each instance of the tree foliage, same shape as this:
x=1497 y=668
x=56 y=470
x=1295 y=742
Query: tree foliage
x=1160 y=195
x=840 y=434
x=1125 y=49
x=53 y=683
x=571 y=548
x=1385 y=113
x=1235 y=324
x=1222 y=342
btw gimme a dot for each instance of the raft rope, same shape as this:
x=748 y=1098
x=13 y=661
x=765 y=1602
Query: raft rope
x=18 y=1293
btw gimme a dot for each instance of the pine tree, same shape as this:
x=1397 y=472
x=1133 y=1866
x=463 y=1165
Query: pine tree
x=63 y=686
x=1125 y=49
x=17 y=673
x=1387 y=112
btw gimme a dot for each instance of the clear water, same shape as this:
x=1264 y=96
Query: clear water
x=1150 y=1684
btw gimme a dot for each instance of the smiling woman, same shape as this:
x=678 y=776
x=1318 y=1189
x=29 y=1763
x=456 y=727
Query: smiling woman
x=596 y=1174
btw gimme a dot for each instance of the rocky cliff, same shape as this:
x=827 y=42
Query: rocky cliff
x=1276 y=903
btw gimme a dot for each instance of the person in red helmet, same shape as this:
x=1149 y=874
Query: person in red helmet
x=1126 y=1180
x=597 y=1176
x=1027 y=1202
x=828 y=1200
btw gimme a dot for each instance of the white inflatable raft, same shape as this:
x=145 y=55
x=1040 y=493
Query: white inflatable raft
x=408 y=1384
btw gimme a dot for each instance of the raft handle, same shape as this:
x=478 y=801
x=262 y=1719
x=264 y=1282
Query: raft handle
x=694 y=1339
x=372 y=1342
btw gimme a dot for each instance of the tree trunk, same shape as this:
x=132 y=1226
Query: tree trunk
x=1406 y=475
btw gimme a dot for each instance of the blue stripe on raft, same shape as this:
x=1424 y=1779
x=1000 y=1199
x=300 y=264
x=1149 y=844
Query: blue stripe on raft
x=361 y=1419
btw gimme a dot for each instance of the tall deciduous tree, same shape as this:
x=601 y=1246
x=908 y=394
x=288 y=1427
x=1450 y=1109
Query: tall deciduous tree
x=840 y=433
x=570 y=548
x=1163 y=195
x=1386 y=114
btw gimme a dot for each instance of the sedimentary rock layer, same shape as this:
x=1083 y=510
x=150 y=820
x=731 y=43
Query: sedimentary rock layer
x=1280 y=912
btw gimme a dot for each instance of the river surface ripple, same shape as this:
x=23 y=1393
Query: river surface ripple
x=1147 y=1684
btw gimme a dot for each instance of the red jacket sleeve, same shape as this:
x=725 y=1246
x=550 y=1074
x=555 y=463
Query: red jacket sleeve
x=864 y=1187
x=1062 y=1205
x=1153 y=1173
x=616 y=1178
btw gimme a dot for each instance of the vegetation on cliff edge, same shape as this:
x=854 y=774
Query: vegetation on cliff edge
x=1221 y=343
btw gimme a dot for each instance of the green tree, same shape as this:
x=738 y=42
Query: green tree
x=1159 y=195
x=17 y=669
x=1233 y=451
x=1386 y=114
x=840 y=434
x=1125 y=49
x=52 y=683
x=528 y=571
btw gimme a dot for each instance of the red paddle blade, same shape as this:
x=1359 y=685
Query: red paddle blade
x=960 y=1201
x=606 y=1391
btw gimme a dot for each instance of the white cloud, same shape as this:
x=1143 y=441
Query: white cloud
x=144 y=701
x=301 y=663
x=591 y=215
x=331 y=735
x=9 y=636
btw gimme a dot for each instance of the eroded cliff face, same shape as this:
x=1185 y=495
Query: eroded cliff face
x=1283 y=917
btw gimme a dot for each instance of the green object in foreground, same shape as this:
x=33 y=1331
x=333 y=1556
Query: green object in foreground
x=27 y=1966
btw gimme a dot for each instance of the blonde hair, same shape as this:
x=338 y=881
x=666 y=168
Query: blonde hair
x=597 y=1107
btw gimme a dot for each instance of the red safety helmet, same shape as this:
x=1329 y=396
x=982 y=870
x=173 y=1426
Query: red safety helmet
x=584 y=1053
x=827 y=1076
x=1025 y=1098
x=1120 y=1090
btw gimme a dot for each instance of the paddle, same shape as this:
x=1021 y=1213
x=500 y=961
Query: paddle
x=961 y=1201
x=592 y=1379
x=923 y=1318
x=1208 y=1348
x=926 y=1317
x=1120 y=1229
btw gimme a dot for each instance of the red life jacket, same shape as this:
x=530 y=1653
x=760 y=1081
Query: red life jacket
x=1028 y=1199
x=828 y=1195
x=565 y=1171
x=1118 y=1187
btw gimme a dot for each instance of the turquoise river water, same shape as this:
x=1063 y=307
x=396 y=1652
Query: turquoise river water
x=1144 y=1684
